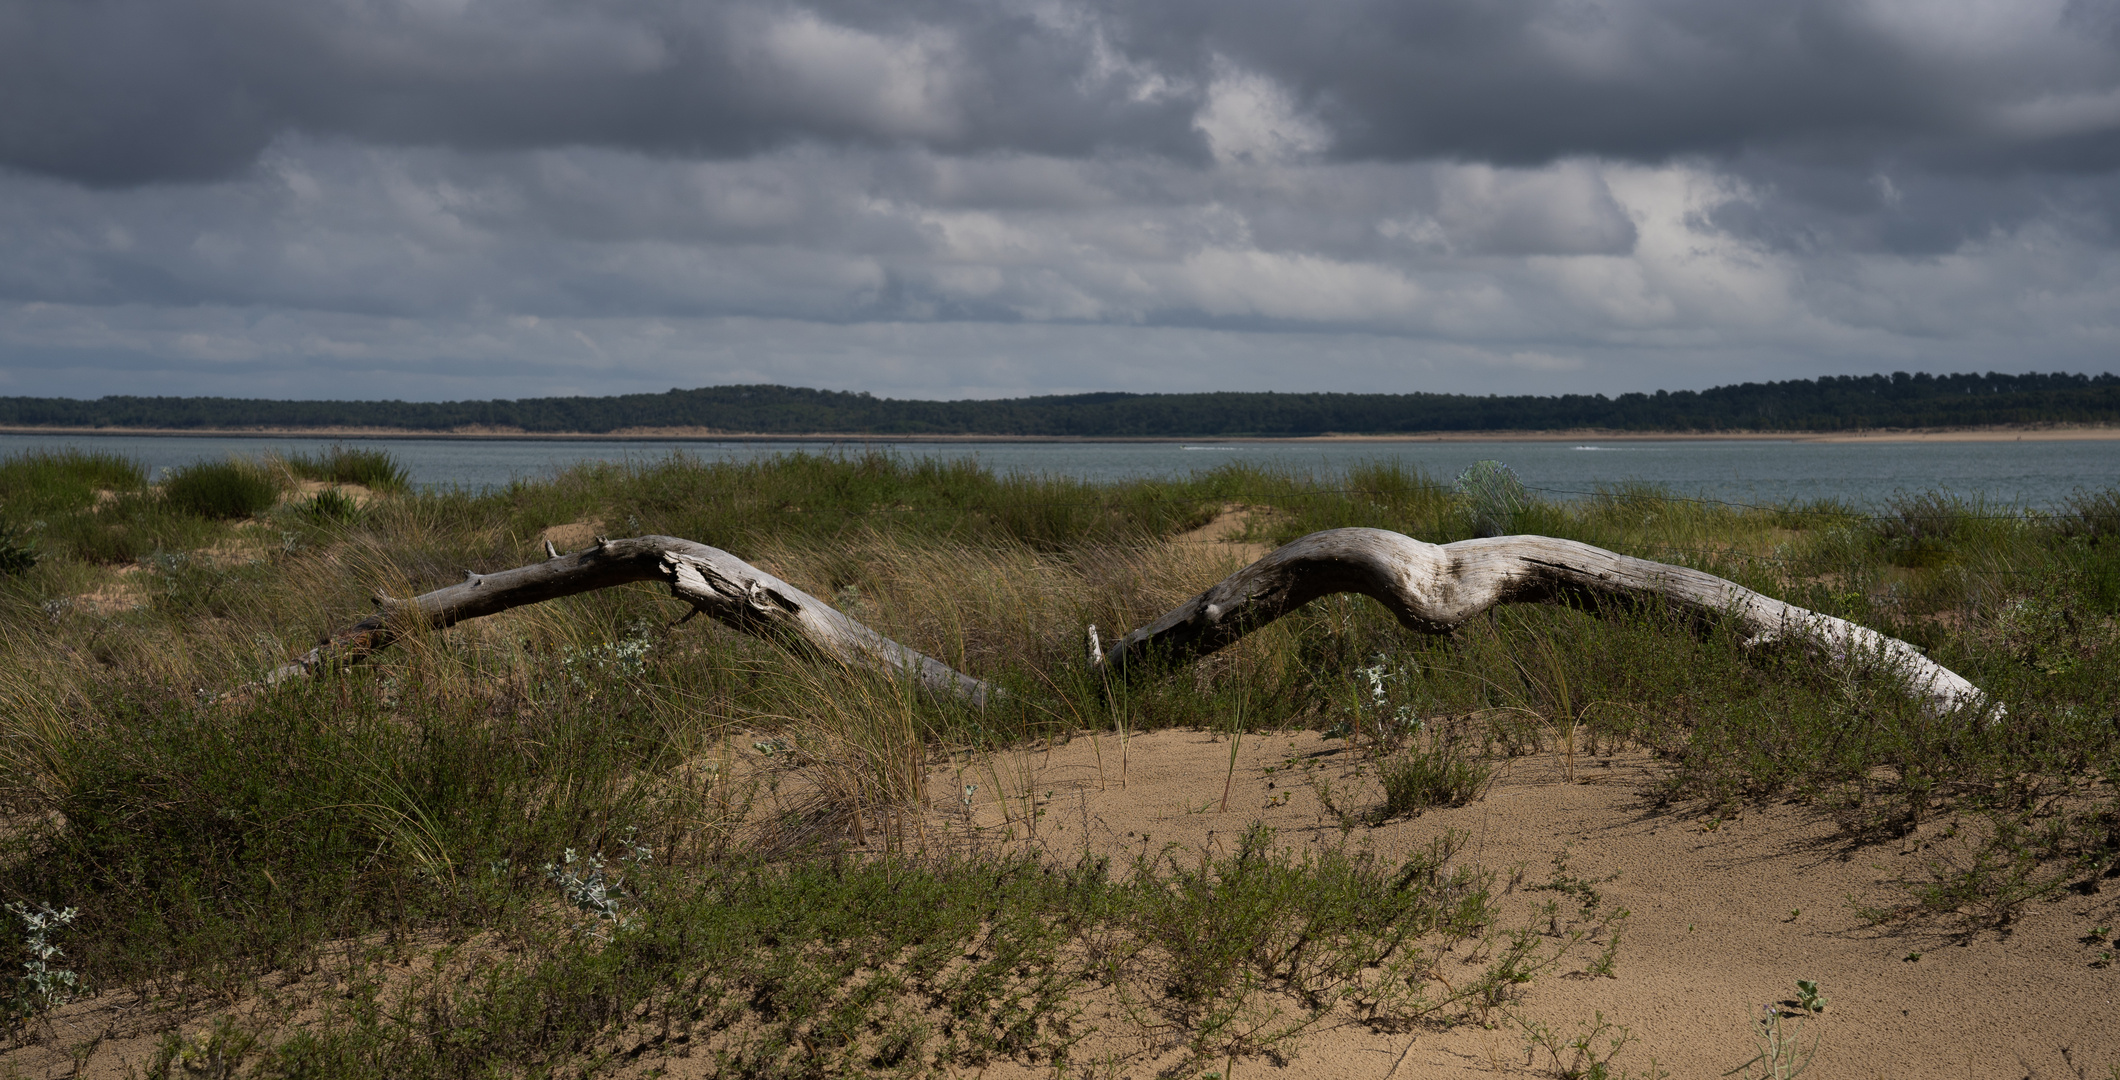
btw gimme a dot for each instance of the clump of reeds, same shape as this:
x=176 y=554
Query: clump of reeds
x=221 y=490
x=370 y=467
x=47 y=481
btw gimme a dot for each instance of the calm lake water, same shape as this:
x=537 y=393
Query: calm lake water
x=2028 y=474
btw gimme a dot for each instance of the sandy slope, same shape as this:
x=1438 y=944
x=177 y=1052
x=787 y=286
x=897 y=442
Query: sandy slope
x=1726 y=915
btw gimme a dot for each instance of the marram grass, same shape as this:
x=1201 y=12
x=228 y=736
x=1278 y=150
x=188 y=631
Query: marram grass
x=208 y=839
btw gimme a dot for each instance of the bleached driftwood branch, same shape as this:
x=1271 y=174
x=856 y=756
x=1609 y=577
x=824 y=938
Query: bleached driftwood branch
x=1431 y=588
x=1434 y=588
x=723 y=586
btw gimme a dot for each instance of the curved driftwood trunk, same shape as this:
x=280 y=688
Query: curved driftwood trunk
x=1434 y=588
x=712 y=580
x=1431 y=588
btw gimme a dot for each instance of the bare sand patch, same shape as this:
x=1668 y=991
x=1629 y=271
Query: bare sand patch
x=361 y=494
x=1231 y=524
x=572 y=536
x=1725 y=914
x=121 y=593
x=250 y=541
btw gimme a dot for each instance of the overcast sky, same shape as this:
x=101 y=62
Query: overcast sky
x=436 y=199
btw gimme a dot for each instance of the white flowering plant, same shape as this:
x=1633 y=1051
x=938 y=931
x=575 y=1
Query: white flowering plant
x=1372 y=705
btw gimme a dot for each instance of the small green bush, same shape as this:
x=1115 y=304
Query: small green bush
x=221 y=490
x=372 y=468
x=18 y=552
x=1441 y=774
x=91 y=540
x=122 y=530
x=1493 y=497
x=1923 y=531
x=53 y=481
x=2092 y=515
x=329 y=507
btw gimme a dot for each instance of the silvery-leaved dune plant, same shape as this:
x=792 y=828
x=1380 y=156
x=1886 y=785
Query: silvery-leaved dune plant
x=42 y=986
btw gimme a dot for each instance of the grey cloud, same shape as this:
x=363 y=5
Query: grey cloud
x=205 y=351
x=801 y=233
x=1812 y=209
x=1538 y=260
x=132 y=91
x=1526 y=81
x=942 y=196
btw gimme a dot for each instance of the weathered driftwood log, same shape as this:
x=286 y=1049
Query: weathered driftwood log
x=1434 y=588
x=713 y=581
x=1431 y=588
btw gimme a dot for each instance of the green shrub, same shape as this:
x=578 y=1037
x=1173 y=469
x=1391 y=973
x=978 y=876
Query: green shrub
x=90 y=539
x=122 y=530
x=373 y=468
x=221 y=490
x=1441 y=774
x=18 y=552
x=1923 y=531
x=329 y=507
x=53 y=481
x=1493 y=497
x=2092 y=515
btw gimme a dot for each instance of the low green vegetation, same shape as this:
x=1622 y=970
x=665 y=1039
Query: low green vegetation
x=1438 y=772
x=329 y=506
x=366 y=466
x=559 y=839
x=58 y=481
x=220 y=490
x=80 y=507
x=893 y=967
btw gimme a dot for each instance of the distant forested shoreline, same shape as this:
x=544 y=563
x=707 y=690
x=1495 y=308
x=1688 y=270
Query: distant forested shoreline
x=1832 y=403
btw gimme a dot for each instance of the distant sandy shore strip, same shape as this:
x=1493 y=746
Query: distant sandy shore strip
x=2000 y=433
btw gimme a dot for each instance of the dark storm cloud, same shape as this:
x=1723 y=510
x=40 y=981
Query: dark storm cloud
x=1811 y=209
x=804 y=233
x=1526 y=81
x=131 y=91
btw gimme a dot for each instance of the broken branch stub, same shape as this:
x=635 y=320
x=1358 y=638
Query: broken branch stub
x=1434 y=588
x=713 y=581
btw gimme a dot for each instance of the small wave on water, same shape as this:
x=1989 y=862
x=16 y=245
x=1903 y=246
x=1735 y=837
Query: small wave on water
x=1210 y=447
x=1641 y=449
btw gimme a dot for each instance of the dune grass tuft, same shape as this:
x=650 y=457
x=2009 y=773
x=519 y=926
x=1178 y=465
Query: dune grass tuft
x=220 y=490
x=369 y=467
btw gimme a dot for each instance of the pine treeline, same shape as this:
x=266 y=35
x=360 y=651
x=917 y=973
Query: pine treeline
x=1833 y=403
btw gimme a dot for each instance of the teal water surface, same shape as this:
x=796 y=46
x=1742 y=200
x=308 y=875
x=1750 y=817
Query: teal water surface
x=2031 y=474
